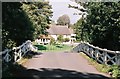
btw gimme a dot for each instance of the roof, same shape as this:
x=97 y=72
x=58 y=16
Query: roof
x=59 y=30
x=45 y=36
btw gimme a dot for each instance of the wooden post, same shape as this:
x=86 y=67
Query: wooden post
x=97 y=54
x=7 y=57
x=15 y=56
x=91 y=52
x=105 y=58
x=118 y=58
x=81 y=48
x=20 y=53
x=87 y=50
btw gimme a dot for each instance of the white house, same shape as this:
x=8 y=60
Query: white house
x=54 y=31
x=43 y=39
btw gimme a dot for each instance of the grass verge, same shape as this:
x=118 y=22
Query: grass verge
x=23 y=60
x=53 y=48
x=113 y=70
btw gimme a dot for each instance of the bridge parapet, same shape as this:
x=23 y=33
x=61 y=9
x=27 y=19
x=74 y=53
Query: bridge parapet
x=103 y=56
x=17 y=53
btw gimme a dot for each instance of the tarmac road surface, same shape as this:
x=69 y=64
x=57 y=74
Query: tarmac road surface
x=62 y=64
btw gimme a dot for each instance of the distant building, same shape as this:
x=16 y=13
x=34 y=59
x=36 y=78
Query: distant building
x=43 y=39
x=54 y=31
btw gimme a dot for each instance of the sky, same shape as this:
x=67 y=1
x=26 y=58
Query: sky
x=60 y=7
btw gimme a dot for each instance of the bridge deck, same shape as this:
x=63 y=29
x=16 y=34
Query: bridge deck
x=62 y=65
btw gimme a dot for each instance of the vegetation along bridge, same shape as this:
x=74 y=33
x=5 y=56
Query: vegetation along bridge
x=62 y=64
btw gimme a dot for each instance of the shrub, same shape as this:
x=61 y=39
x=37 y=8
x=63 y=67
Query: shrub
x=66 y=40
x=60 y=38
x=52 y=41
x=115 y=71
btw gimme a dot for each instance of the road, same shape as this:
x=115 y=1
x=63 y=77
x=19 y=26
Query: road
x=62 y=65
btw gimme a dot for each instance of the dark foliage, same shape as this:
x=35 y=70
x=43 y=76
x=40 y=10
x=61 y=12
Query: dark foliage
x=101 y=27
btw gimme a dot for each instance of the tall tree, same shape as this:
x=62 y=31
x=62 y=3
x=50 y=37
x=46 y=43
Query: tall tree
x=16 y=27
x=78 y=29
x=63 y=20
x=102 y=25
x=39 y=13
x=23 y=21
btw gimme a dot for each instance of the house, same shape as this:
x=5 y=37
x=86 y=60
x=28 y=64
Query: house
x=43 y=39
x=56 y=30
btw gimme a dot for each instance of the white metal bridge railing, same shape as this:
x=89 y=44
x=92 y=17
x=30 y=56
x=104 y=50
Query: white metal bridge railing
x=17 y=53
x=103 y=56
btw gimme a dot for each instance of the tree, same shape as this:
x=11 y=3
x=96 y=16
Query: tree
x=60 y=38
x=16 y=25
x=52 y=41
x=66 y=39
x=63 y=20
x=23 y=21
x=39 y=13
x=102 y=25
x=78 y=29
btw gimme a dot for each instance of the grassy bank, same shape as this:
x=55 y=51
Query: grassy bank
x=114 y=70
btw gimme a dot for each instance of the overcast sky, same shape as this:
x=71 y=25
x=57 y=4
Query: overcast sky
x=60 y=7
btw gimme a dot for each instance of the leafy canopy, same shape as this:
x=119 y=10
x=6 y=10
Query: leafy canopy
x=24 y=21
x=63 y=20
x=101 y=27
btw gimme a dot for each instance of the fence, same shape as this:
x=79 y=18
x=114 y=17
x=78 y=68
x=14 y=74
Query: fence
x=17 y=53
x=103 y=56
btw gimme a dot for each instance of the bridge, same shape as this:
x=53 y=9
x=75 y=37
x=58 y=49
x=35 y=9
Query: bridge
x=61 y=64
x=103 y=56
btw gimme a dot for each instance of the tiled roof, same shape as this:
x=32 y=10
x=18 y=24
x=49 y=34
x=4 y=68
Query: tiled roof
x=45 y=36
x=59 y=30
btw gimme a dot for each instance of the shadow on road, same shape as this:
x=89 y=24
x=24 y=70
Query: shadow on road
x=20 y=72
